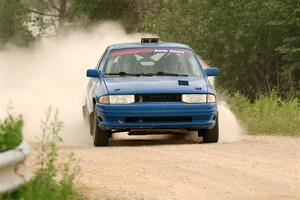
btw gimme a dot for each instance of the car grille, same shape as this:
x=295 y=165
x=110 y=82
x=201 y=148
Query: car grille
x=157 y=98
x=158 y=119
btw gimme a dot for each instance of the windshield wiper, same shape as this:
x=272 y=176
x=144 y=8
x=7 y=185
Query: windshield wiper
x=169 y=74
x=121 y=74
x=146 y=74
x=129 y=74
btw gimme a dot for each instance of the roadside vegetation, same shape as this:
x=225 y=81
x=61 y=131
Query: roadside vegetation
x=52 y=180
x=10 y=132
x=267 y=114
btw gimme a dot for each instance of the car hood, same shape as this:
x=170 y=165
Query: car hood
x=155 y=84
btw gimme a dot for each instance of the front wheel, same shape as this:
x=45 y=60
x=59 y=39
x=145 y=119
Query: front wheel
x=210 y=135
x=101 y=137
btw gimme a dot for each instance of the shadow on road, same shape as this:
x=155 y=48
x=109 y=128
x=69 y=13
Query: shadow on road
x=122 y=139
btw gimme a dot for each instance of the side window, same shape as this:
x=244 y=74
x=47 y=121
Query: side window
x=101 y=59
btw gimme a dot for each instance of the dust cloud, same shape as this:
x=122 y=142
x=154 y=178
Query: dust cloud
x=52 y=73
x=230 y=128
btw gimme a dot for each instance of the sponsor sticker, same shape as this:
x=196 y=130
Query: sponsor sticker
x=130 y=51
x=177 y=51
x=146 y=50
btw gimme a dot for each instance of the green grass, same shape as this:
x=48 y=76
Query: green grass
x=10 y=132
x=268 y=114
x=52 y=180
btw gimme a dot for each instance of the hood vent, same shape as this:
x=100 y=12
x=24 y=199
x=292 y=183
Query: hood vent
x=182 y=82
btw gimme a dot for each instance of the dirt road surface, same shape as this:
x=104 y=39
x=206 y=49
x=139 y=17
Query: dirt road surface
x=171 y=167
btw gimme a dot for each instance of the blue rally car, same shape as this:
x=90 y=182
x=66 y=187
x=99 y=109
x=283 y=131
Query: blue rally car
x=137 y=87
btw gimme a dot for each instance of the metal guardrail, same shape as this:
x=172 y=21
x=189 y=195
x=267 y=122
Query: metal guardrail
x=13 y=172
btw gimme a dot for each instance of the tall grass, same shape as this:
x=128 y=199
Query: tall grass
x=268 y=114
x=52 y=181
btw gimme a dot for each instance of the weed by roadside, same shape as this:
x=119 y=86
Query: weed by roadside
x=267 y=114
x=10 y=132
x=51 y=181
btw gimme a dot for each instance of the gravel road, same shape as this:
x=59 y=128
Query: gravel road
x=172 y=167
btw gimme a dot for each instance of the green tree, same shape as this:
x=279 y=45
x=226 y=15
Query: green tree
x=255 y=43
x=48 y=13
x=13 y=23
x=129 y=12
x=290 y=47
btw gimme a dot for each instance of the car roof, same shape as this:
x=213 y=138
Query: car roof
x=148 y=45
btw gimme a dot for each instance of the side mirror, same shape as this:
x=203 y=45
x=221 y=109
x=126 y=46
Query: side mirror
x=94 y=73
x=214 y=71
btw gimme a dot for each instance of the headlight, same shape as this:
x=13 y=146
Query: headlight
x=117 y=99
x=198 y=98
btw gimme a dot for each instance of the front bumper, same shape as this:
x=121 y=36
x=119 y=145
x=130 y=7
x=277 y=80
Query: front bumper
x=115 y=117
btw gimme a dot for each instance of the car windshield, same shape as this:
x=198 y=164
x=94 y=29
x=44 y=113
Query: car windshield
x=152 y=62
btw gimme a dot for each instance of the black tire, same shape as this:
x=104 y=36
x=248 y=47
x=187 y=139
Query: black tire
x=211 y=135
x=101 y=137
x=93 y=123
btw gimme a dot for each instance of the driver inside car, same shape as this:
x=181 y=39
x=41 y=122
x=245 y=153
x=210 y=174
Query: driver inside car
x=173 y=64
x=127 y=63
